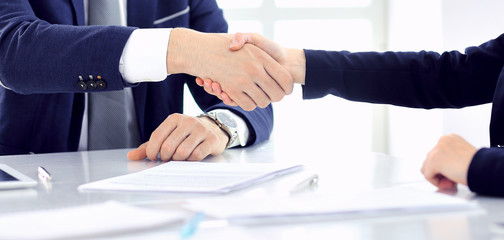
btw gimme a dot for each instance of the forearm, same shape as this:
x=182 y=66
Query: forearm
x=486 y=172
x=296 y=64
x=180 y=50
x=186 y=48
x=412 y=79
x=38 y=57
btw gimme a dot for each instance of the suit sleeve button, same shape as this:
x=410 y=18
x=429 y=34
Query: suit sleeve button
x=91 y=84
x=82 y=85
x=101 y=84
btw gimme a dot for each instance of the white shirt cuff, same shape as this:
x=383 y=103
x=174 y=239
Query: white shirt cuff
x=144 y=55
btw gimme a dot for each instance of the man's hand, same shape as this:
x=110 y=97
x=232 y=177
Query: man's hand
x=250 y=77
x=292 y=59
x=181 y=137
x=215 y=89
x=447 y=163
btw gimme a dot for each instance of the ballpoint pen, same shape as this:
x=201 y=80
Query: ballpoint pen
x=308 y=183
x=191 y=226
x=44 y=174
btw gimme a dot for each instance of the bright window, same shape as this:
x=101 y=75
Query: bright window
x=316 y=24
x=342 y=35
x=246 y=26
x=239 y=3
x=322 y=3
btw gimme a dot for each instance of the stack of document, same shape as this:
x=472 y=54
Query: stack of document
x=376 y=202
x=194 y=177
x=98 y=220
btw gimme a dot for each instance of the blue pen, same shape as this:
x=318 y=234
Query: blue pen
x=191 y=226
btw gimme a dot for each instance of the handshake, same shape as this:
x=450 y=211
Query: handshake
x=240 y=74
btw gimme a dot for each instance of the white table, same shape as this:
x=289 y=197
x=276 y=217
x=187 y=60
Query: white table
x=339 y=173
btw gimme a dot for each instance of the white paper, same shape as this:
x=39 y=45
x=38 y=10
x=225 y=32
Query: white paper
x=84 y=221
x=194 y=177
x=372 y=202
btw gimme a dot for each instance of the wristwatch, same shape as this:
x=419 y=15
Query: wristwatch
x=225 y=122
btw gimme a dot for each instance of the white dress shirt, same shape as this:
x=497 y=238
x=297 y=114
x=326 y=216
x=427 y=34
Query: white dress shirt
x=144 y=60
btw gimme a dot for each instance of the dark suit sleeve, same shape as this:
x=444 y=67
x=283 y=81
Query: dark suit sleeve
x=41 y=57
x=207 y=17
x=413 y=79
x=486 y=172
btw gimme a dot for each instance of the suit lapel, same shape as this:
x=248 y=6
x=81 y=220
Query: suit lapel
x=141 y=13
x=78 y=6
x=140 y=99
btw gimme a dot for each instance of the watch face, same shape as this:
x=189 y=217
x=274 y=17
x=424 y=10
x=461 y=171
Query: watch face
x=226 y=120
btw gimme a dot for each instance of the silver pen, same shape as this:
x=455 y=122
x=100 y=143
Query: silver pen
x=308 y=183
x=44 y=174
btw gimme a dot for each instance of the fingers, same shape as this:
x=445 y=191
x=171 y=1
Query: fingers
x=254 y=97
x=445 y=183
x=255 y=87
x=244 y=100
x=259 y=96
x=201 y=151
x=441 y=182
x=281 y=76
x=434 y=177
x=171 y=144
x=430 y=169
x=159 y=136
x=227 y=100
x=138 y=153
x=448 y=162
x=252 y=78
x=182 y=137
x=207 y=86
x=199 y=81
x=214 y=88
x=262 y=81
x=184 y=149
x=239 y=39
x=223 y=95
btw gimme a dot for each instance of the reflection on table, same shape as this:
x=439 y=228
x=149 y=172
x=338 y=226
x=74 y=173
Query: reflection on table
x=340 y=173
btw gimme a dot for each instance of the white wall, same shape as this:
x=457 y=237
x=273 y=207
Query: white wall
x=401 y=25
x=440 y=25
x=470 y=23
x=414 y=25
x=351 y=25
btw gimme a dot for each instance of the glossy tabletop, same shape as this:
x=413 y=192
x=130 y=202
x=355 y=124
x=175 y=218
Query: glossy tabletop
x=340 y=173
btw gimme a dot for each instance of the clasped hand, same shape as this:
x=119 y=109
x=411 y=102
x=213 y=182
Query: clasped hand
x=251 y=77
x=292 y=60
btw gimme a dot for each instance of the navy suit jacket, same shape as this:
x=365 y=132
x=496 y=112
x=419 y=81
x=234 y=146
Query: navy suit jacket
x=423 y=80
x=44 y=47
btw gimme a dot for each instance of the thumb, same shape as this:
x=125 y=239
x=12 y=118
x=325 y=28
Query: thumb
x=275 y=50
x=139 y=153
x=239 y=39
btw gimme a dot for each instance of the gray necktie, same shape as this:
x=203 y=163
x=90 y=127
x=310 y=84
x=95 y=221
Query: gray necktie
x=108 y=128
x=104 y=12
